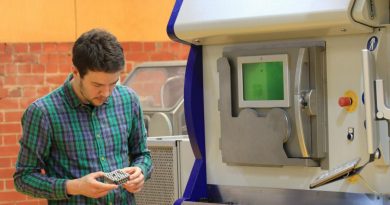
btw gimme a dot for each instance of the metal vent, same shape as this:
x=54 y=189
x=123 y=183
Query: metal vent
x=160 y=188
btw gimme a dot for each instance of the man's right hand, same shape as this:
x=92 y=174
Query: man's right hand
x=89 y=186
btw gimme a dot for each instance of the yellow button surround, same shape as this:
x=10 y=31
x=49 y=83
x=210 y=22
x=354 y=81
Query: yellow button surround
x=355 y=100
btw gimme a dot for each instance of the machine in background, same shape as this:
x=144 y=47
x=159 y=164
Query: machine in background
x=172 y=160
x=160 y=86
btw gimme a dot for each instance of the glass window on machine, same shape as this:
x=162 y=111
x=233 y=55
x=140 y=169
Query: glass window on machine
x=263 y=81
x=159 y=88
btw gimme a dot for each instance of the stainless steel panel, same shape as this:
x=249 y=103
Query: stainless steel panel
x=269 y=196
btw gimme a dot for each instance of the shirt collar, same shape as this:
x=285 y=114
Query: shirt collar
x=71 y=96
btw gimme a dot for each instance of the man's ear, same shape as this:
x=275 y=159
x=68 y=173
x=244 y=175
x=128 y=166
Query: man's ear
x=75 y=72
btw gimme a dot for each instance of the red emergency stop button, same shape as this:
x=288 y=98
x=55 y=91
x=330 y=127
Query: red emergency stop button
x=345 y=101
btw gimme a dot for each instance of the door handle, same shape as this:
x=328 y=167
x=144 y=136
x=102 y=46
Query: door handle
x=299 y=102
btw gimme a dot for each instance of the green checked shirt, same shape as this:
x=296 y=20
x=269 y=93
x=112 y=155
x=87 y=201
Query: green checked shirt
x=68 y=140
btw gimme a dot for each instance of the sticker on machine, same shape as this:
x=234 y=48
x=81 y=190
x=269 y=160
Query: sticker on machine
x=372 y=43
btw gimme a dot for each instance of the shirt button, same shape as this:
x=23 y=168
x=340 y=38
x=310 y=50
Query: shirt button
x=98 y=136
x=102 y=158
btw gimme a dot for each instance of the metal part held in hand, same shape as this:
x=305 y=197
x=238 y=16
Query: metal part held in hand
x=116 y=177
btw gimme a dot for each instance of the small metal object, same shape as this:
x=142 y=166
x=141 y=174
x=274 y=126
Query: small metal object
x=377 y=154
x=116 y=177
x=351 y=134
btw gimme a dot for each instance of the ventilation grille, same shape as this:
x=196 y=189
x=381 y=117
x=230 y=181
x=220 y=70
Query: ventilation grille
x=160 y=188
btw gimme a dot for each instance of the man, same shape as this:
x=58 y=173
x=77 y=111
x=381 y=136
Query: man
x=87 y=127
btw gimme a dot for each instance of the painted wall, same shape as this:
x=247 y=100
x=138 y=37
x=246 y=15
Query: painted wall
x=65 y=20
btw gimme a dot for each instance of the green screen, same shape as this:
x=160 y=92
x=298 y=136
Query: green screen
x=263 y=81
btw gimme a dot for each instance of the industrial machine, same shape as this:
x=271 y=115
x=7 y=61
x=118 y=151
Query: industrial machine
x=286 y=101
x=172 y=161
x=160 y=86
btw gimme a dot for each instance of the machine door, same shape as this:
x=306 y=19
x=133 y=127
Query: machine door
x=273 y=103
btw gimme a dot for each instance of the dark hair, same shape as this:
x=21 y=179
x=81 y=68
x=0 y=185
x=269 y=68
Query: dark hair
x=97 y=50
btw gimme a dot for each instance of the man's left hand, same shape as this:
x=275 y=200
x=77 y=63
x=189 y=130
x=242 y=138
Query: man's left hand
x=136 y=182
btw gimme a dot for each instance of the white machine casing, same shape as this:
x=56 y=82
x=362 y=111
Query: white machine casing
x=346 y=27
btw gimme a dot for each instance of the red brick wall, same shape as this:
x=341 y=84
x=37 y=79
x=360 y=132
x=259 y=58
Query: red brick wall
x=31 y=70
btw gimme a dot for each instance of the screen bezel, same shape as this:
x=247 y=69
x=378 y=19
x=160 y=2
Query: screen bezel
x=263 y=103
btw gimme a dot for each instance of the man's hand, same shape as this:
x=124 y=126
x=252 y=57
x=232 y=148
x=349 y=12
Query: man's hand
x=89 y=186
x=136 y=182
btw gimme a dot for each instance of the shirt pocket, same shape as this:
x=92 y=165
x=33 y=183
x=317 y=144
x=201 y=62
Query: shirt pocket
x=116 y=142
x=76 y=147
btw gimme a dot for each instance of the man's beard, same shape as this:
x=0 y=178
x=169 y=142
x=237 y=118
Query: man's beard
x=81 y=88
x=90 y=101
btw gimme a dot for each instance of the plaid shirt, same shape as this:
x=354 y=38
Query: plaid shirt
x=68 y=140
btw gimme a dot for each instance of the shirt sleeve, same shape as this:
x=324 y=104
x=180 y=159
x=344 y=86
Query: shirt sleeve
x=34 y=149
x=138 y=150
